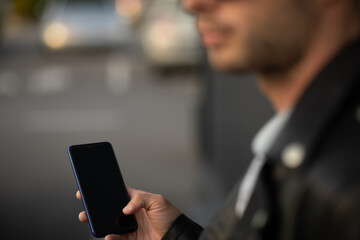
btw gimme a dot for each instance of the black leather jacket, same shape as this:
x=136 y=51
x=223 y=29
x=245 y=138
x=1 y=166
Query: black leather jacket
x=309 y=188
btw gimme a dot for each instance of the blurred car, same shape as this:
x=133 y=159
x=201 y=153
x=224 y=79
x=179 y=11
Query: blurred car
x=169 y=37
x=82 y=23
x=130 y=10
x=2 y=13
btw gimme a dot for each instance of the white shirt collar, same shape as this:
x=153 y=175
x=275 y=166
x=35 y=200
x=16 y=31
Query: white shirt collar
x=260 y=146
x=267 y=134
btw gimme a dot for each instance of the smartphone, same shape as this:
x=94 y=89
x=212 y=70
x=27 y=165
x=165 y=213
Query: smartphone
x=102 y=188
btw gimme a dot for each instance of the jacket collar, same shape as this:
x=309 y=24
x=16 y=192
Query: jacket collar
x=320 y=103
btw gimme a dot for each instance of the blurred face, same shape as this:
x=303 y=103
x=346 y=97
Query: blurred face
x=256 y=35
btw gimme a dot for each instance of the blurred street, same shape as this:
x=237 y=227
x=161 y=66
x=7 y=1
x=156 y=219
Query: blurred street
x=82 y=72
x=49 y=101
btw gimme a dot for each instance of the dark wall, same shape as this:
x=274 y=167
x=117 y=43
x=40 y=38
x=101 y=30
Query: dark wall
x=232 y=111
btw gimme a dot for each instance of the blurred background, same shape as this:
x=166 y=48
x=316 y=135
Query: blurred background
x=131 y=72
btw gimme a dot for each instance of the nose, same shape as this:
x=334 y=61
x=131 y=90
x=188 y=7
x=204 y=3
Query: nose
x=198 y=6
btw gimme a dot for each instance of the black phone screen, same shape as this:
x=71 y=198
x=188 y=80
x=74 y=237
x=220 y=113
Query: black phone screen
x=102 y=188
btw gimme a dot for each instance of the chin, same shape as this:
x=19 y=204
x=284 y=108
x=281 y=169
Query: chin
x=227 y=66
x=227 y=63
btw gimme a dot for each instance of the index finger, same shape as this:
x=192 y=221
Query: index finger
x=78 y=195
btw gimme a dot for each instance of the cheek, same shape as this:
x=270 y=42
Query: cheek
x=243 y=19
x=234 y=14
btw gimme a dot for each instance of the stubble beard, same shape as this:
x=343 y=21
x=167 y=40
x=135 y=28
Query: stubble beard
x=271 y=48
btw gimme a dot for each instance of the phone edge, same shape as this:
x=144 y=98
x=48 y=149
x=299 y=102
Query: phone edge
x=82 y=198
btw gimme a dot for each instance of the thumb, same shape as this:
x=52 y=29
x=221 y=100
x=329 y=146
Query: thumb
x=139 y=200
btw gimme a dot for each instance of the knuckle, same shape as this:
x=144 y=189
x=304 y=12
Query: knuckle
x=159 y=198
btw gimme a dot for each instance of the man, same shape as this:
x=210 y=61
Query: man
x=304 y=181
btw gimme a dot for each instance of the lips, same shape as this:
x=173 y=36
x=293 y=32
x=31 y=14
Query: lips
x=213 y=34
x=212 y=38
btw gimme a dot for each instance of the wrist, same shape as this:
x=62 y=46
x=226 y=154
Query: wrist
x=183 y=226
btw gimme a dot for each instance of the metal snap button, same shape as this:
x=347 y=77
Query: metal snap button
x=259 y=219
x=293 y=155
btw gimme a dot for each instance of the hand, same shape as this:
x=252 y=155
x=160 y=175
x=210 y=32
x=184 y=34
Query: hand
x=153 y=212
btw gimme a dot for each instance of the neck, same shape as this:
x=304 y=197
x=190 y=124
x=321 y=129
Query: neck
x=284 y=88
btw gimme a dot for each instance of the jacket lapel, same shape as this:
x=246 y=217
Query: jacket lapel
x=320 y=103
